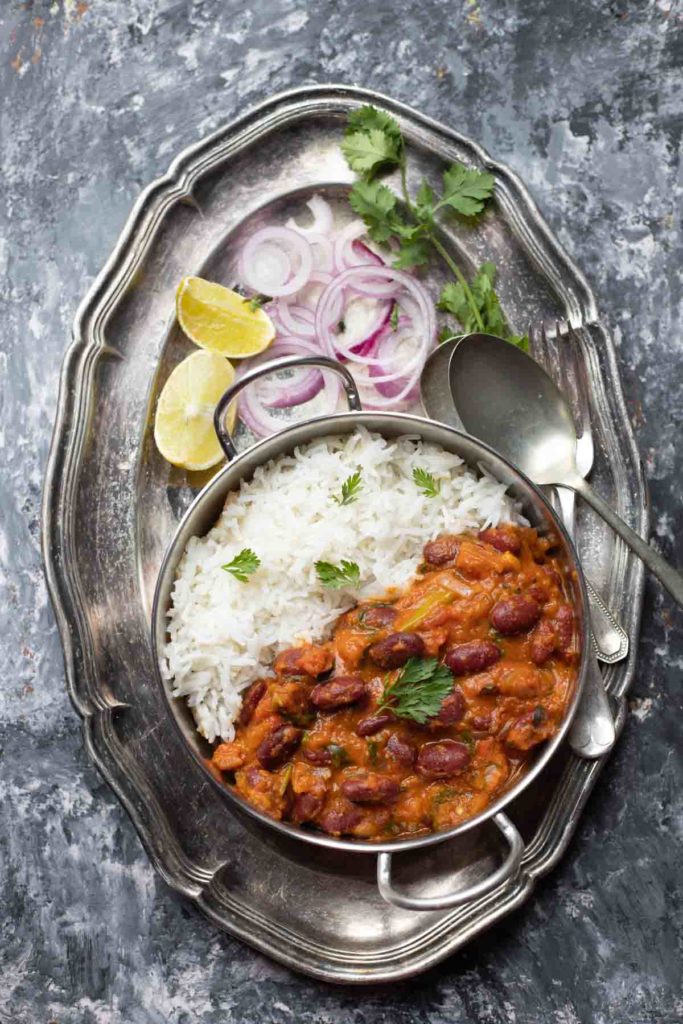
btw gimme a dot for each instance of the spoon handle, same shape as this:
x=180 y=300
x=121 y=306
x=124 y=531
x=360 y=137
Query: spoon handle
x=665 y=573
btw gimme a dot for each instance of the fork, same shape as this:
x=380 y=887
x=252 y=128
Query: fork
x=610 y=640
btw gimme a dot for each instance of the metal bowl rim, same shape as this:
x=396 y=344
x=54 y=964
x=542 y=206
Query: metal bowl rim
x=326 y=426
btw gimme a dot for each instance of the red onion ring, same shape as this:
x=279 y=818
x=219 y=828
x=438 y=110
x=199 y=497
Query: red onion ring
x=252 y=407
x=323 y=218
x=291 y=244
x=297 y=320
x=343 y=255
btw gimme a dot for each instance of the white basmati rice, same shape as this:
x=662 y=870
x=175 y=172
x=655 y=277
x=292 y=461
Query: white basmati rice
x=224 y=634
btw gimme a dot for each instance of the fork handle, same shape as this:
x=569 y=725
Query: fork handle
x=610 y=639
x=665 y=573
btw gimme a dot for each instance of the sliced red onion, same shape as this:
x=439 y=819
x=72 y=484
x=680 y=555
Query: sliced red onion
x=297 y=320
x=343 y=252
x=359 y=340
x=323 y=218
x=304 y=385
x=323 y=252
x=401 y=385
x=276 y=261
x=364 y=254
x=354 y=279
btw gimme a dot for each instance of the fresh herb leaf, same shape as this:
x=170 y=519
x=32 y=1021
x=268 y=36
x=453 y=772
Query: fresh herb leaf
x=412 y=253
x=520 y=340
x=369 y=152
x=426 y=482
x=346 y=574
x=445 y=794
x=446 y=334
x=367 y=118
x=373 y=752
x=376 y=204
x=372 y=142
x=243 y=565
x=395 y=313
x=339 y=755
x=419 y=690
x=257 y=301
x=424 y=203
x=491 y=320
x=465 y=189
x=350 y=489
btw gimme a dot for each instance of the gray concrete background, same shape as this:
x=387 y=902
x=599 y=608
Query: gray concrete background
x=583 y=99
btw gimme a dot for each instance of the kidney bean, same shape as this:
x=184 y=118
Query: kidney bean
x=377 y=616
x=502 y=538
x=337 y=693
x=563 y=622
x=304 y=661
x=452 y=708
x=515 y=614
x=529 y=730
x=250 y=701
x=320 y=755
x=474 y=656
x=305 y=807
x=482 y=723
x=543 y=643
x=395 y=650
x=370 y=789
x=337 y=820
x=442 y=758
x=401 y=751
x=278 y=746
x=374 y=723
x=441 y=551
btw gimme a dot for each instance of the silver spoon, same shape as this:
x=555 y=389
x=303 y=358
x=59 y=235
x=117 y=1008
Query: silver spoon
x=507 y=400
x=609 y=637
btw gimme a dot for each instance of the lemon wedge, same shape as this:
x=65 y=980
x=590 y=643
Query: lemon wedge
x=183 y=425
x=218 y=319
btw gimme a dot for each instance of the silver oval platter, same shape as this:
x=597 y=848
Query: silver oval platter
x=111 y=505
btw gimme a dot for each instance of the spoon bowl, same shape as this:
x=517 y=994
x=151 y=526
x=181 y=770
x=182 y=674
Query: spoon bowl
x=505 y=398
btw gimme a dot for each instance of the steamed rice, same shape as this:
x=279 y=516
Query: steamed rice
x=224 y=634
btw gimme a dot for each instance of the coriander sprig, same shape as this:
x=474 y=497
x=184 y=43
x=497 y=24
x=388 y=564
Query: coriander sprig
x=243 y=565
x=256 y=302
x=350 y=489
x=418 y=691
x=346 y=574
x=430 y=487
x=372 y=145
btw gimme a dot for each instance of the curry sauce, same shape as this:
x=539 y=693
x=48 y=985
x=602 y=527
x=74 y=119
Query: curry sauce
x=487 y=624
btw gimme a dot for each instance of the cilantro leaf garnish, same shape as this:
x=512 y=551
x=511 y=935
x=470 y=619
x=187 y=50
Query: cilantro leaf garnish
x=419 y=690
x=480 y=311
x=243 y=565
x=376 y=204
x=465 y=189
x=257 y=301
x=350 y=489
x=346 y=574
x=395 y=314
x=426 y=482
x=373 y=144
x=368 y=152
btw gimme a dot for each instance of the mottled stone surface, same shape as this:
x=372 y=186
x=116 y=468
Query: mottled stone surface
x=584 y=100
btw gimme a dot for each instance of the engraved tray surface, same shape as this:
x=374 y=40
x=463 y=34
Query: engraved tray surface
x=111 y=504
